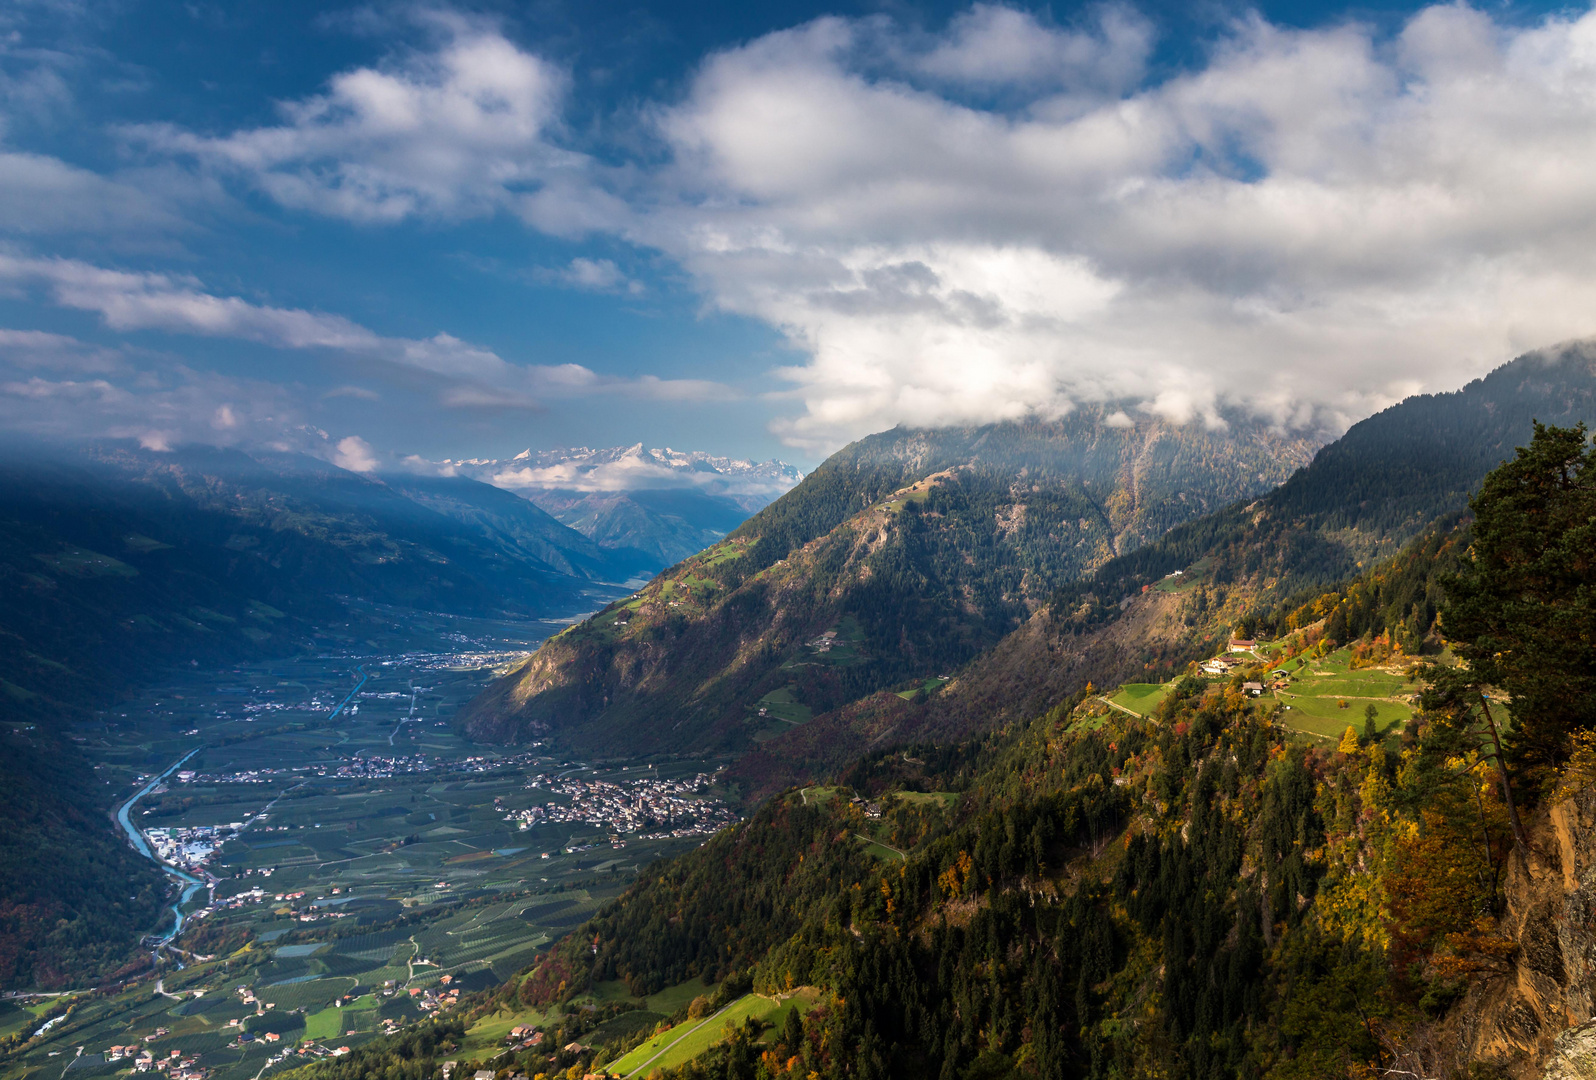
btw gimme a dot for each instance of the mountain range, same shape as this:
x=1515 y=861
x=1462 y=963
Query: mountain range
x=662 y=504
x=116 y=557
x=922 y=623
x=922 y=584
x=899 y=559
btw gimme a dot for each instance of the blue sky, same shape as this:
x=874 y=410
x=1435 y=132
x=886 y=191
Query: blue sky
x=762 y=230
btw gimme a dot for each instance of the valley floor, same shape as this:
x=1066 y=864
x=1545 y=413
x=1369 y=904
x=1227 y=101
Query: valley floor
x=359 y=863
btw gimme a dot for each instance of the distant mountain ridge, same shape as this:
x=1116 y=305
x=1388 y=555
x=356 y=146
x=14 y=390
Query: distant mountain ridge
x=636 y=466
x=902 y=556
x=657 y=505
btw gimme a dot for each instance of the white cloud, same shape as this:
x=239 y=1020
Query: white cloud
x=593 y=275
x=42 y=195
x=1311 y=223
x=1000 y=219
x=36 y=349
x=992 y=45
x=463 y=131
x=158 y=407
x=469 y=376
x=361 y=393
x=356 y=455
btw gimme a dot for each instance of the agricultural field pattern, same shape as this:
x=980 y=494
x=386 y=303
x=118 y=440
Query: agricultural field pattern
x=343 y=860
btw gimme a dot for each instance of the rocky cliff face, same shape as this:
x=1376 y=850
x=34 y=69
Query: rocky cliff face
x=1537 y=1017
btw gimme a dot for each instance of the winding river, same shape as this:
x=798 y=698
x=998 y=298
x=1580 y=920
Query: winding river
x=190 y=883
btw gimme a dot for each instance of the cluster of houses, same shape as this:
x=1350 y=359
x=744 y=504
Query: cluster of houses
x=1224 y=665
x=629 y=806
x=244 y=776
x=173 y=1064
x=378 y=767
x=310 y=1049
x=190 y=848
x=434 y=998
x=824 y=642
x=523 y=1037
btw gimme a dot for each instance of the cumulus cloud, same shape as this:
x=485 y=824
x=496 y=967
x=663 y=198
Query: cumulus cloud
x=469 y=376
x=465 y=130
x=356 y=455
x=1311 y=224
x=995 y=46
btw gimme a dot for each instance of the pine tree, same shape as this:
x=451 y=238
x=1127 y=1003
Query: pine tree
x=1523 y=612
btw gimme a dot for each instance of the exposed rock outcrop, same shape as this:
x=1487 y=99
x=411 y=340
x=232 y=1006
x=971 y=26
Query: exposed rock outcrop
x=1535 y=1019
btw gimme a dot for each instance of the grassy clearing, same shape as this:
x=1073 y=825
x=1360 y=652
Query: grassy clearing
x=919 y=493
x=1140 y=698
x=943 y=799
x=680 y=1044
x=931 y=685
x=723 y=552
x=877 y=850
x=1319 y=688
x=326 y=1024
x=674 y=998
x=81 y=562
x=1323 y=718
x=784 y=706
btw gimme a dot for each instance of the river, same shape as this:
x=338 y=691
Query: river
x=191 y=884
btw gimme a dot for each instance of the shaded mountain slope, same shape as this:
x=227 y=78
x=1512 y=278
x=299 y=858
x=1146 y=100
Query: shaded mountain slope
x=116 y=563
x=662 y=527
x=122 y=559
x=900 y=557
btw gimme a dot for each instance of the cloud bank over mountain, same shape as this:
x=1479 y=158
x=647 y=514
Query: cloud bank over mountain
x=1313 y=223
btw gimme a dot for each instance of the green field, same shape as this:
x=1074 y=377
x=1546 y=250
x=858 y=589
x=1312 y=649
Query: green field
x=782 y=705
x=876 y=849
x=943 y=799
x=1319 y=687
x=485 y=1039
x=1140 y=698
x=934 y=683
x=1312 y=703
x=326 y=1024
x=680 y=1044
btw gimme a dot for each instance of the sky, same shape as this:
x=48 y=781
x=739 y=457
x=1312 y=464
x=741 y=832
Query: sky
x=372 y=231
